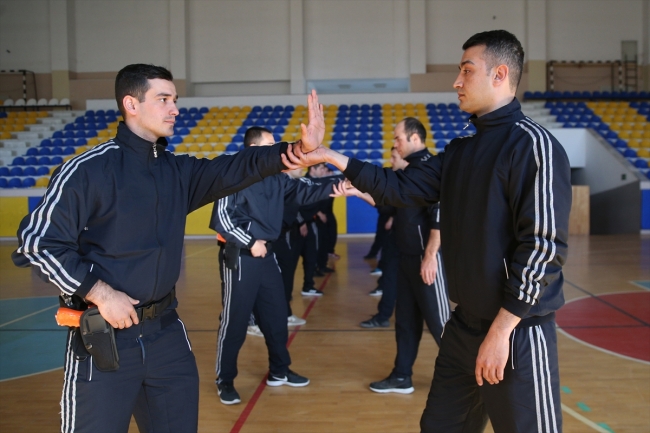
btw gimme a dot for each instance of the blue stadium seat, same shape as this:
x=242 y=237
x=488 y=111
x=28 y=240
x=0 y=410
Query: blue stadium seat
x=193 y=110
x=14 y=183
x=349 y=154
x=203 y=110
x=182 y=110
x=336 y=145
x=57 y=151
x=44 y=160
x=29 y=171
x=57 y=134
x=32 y=151
x=44 y=151
x=363 y=144
x=69 y=127
x=46 y=142
x=4 y=171
x=68 y=134
x=375 y=154
x=620 y=143
x=4 y=183
x=232 y=147
x=28 y=182
x=80 y=142
x=176 y=139
x=349 y=144
x=362 y=154
x=42 y=171
x=68 y=150
x=16 y=171
x=238 y=138
x=278 y=130
x=641 y=163
x=19 y=160
x=56 y=160
x=69 y=142
x=629 y=153
x=363 y=136
x=31 y=160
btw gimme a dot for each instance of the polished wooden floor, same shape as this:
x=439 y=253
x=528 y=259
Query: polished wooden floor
x=602 y=392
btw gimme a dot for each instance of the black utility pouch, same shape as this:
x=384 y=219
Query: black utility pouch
x=99 y=339
x=232 y=255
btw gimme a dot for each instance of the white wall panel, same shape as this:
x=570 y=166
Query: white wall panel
x=24 y=35
x=351 y=39
x=451 y=22
x=112 y=34
x=592 y=29
x=243 y=40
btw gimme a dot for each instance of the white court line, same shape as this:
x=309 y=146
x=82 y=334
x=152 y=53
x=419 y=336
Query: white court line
x=34 y=374
x=29 y=315
x=634 y=283
x=600 y=349
x=584 y=420
x=199 y=252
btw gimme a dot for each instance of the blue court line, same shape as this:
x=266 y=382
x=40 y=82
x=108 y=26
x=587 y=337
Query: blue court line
x=30 y=343
x=642 y=284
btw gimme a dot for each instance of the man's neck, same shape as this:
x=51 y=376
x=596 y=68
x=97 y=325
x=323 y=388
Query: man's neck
x=498 y=103
x=140 y=132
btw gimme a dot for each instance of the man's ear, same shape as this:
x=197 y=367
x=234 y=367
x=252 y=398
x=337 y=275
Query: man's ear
x=501 y=74
x=130 y=104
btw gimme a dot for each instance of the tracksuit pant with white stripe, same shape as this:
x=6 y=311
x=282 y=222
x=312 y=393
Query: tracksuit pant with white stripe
x=526 y=401
x=255 y=284
x=417 y=303
x=157 y=382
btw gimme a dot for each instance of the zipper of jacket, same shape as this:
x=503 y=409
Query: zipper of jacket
x=155 y=154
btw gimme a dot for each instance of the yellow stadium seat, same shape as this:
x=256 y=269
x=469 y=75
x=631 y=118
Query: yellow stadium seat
x=645 y=143
x=198 y=155
x=52 y=169
x=219 y=147
x=646 y=134
x=207 y=147
x=386 y=164
x=213 y=109
x=627 y=126
x=214 y=123
x=386 y=154
x=193 y=148
x=235 y=109
x=636 y=134
x=42 y=114
x=68 y=158
x=624 y=135
x=388 y=136
x=79 y=150
x=42 y=182
x=188 y=139
x=643 y=153
x=231 y=115
x=181 y=148
x=202 y=123
x=92 y=142
x=231 y=130
x=387 y=144
x=21 y=114
x=5 y=135
x=200 y=139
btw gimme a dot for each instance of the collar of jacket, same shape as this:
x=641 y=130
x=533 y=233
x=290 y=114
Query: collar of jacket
x=505 y=115
x=137 y=144
x=417 y=155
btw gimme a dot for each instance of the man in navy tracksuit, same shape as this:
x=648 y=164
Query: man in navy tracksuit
x=250 y=221
x=506 y=194
x=421 y=288
x=109 y=231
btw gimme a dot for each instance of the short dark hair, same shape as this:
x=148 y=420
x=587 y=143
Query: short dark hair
x=414 y=126
x=501 y=47
x=253 y=134
x=133 y=80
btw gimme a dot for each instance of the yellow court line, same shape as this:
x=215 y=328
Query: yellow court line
x=584 y=420
x=28 y=315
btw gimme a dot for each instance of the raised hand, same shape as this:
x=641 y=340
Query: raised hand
x=344 y=189
x=313 y=134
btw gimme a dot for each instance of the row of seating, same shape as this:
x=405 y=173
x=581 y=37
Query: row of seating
x=25 y=171
x=31 y=102
x=38 y=161
x=27 y=182
x=605 y=95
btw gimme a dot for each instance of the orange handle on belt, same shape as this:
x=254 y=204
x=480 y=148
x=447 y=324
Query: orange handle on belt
x=221 y=238
x=68 y=317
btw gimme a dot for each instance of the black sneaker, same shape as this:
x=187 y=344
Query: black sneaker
x=374 y=323
x=228 y=394
x=318 y=273
x=290 y=379
x=311 y=291
x=376 y=292
x=400 y=385
x=326 y=270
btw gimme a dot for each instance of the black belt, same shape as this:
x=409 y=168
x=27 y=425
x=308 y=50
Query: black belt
x=480 y=324
x=247 y=252
x=155 y=309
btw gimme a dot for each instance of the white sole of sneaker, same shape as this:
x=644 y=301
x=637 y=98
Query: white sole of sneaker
x=230 y=402
x=281 y=383
x=311 y=294
x=395 y=390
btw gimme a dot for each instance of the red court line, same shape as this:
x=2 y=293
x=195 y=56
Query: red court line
x=260 y=388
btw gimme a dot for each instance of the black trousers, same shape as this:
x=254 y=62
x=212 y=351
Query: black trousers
x=157 y=382
x=255 y=284
x=380 y=235
x=417 y=303
x=288 y=250
x=389 y=265
x=327 y=236
x=527 y=400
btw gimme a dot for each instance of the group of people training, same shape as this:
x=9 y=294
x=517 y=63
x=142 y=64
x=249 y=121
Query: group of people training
x=109 y=232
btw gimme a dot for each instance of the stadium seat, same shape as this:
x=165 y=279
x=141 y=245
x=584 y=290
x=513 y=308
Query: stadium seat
x=16 y=171
x=19 y=160
x=15 y=183
x=31 y=160
x=42 y=171
x=28 y=182
x=4 y=171
x=4 y=183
